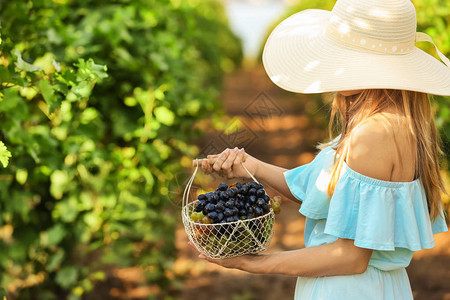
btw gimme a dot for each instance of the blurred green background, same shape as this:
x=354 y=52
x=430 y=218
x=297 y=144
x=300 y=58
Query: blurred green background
x=103 y=104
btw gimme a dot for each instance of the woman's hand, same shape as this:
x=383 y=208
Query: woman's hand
x=228 y=163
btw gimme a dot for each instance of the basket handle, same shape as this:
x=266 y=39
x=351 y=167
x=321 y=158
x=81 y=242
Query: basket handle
x=187 y=189
x=251 y=175
x=191 y=180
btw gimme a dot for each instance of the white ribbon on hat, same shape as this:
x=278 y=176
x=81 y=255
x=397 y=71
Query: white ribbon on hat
x=423 y=37
x=379 y=46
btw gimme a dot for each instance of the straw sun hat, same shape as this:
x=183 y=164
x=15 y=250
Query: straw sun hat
x=360 y=44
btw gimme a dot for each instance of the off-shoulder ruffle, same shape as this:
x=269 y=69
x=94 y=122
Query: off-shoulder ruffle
x=376 y=214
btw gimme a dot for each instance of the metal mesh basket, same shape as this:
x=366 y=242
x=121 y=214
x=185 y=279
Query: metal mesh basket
x=230 y=239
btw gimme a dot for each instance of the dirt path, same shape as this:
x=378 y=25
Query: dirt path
x=280 y=128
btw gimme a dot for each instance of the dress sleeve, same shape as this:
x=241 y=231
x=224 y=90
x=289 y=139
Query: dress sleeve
x=297 y=180
x=309 y=184
x=381 y=215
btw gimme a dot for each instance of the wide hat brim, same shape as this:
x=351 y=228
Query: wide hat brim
x=300 y=57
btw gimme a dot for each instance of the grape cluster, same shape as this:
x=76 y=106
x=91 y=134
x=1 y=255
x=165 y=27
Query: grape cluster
x=241 y=202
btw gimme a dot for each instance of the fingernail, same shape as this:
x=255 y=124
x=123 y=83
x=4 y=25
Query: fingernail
x=201 y=256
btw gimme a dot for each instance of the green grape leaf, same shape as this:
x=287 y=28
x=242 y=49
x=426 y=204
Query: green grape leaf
x=4 y=74
x=88 y=70
x=67 y=276
x=164 y=115
x=4 y=155
x=56 y=234
x=55 y=260
x=59 y=180
x=49 y=95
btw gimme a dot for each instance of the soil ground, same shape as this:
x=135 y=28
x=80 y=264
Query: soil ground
x=280 y=128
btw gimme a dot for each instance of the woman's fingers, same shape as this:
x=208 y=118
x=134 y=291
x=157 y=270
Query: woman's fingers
x=226 y=166
x=245 y=155
x=239 y=158
x=206 y=166
x=223 y=163
x=221 y=159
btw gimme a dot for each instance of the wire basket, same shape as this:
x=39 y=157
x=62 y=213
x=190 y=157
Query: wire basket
x=230 y=239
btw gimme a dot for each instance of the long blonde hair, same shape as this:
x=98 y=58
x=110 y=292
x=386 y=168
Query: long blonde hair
x=416 y=109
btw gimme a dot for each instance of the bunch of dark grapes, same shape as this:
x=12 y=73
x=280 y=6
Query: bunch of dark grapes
x=239 y=202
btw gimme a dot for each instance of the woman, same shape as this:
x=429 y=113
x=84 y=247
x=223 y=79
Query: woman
x=372 y=196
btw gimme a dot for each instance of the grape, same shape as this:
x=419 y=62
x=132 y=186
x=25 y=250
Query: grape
x=233 y=192
x=200 y=205
x=260 y=202
x=209 y=208
x=220 y=206
x=205 y=220
x=252 y=191
x=252 y=199
x=235 y=210
x=230 y=219
x=229 y=204
x=214 y=198
x=213 y=216
x=244 y=189
x=240 y=197
x=253 y=184
x=265 y=207
x=266 y=198
x=220 y=217
x=223 y=186
x=250 y=210
x=238 y=185
x=228 y=212
x=229 y=193
x=201 y=197
x=239 y=204
x=209 y=195
x=196 y=216
x=260 y=193
x=275 y=203
x=258 y=211
x=242 y=212
x=224 y=195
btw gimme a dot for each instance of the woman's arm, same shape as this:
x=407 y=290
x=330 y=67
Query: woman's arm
x=273 y=176
x=341 y=257
x=228 y=163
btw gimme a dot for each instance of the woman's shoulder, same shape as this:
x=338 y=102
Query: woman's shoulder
x=372 y=149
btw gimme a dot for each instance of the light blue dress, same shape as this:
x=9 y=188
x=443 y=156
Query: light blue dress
x=389 y=217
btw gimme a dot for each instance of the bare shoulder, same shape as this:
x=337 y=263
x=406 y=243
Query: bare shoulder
x=372 y=149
